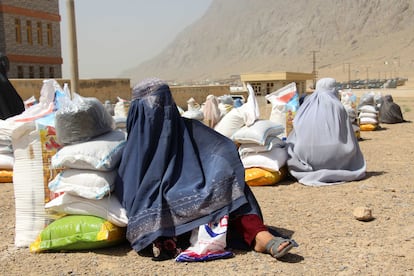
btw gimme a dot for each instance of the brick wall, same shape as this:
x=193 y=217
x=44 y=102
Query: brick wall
x=50 y=6
x=33 y=55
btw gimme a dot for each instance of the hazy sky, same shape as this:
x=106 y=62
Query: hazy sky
x=116 y=35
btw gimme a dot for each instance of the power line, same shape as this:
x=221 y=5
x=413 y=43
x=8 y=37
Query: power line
x=349 y=73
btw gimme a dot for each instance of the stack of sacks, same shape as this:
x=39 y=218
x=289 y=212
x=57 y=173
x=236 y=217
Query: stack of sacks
x=87 y=215
x=88 y=159
x=285 y=103
x=34 y=143
x=348 y=99
x=262 y=153
x=368 y=115
x=193 y=110
x=89 y=155
x=226 y=104
x=238 y=117
x=89 y=170
x=6 y=151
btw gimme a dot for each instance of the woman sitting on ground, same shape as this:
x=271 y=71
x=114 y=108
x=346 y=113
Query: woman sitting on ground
x=322 y=147
x=390 y=112
x=177 y=174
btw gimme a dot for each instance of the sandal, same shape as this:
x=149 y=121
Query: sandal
x=164 y=249
x=273 y=245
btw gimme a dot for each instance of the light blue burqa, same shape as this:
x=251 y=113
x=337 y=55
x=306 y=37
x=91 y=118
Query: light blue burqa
x=322 y=147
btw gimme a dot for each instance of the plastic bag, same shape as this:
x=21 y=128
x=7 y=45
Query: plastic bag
x=46 y=104
x=250 y=109
x=81 y=119
x=208 y=242
x=285 y=103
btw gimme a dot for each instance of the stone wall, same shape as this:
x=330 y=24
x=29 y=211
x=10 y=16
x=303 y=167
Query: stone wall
x=110 y=89
x=182 y=94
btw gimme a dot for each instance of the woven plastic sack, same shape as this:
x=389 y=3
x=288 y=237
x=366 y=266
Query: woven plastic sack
x=78 y=233
x=263 y=177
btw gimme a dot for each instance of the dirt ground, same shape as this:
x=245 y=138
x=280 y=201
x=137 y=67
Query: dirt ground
x=331 y=241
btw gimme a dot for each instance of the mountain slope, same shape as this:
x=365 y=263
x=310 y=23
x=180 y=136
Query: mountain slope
x=352 y=39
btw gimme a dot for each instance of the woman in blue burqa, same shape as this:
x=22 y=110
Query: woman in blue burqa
x=322 y=147
x=177 y=174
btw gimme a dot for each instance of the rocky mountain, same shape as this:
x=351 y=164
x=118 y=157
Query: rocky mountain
x=350 y=39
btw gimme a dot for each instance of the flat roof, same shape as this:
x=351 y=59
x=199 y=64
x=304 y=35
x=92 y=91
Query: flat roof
x=272 y=76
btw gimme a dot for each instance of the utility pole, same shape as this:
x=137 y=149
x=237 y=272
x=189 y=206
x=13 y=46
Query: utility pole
x=349 y=74
x=73 y=48
x=315 y=74
x=367 y=76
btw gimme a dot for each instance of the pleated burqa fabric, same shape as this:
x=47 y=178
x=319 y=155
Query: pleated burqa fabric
x=322 y=147
x=11 y=103
x=176 y=173
x=390 y=112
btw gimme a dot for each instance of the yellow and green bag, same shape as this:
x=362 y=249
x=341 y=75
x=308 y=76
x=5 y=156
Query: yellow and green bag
x=78 y=232
x=263 y=177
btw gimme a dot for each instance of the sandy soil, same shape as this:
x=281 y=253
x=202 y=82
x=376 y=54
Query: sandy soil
x=332 y=241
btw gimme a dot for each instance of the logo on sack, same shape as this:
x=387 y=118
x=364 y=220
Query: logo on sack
x=215 y=229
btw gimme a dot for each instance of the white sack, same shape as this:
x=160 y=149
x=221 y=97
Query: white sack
x=257 y=132
x=90 y=184
x=272 y=160
x=6 y=161
x=108 y=208
x=101 y=153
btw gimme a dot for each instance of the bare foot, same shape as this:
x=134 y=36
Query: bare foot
x=261 y=240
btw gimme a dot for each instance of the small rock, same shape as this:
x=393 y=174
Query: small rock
x=363 y=214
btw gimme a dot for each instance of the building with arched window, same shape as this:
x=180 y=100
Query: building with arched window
x=30 y=38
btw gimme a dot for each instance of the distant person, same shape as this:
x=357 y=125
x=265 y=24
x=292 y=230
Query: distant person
x=4 y=64
x=390 y=112
x=11 y=103
x=177 y=174
x=322 y=147
x=211 y=111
